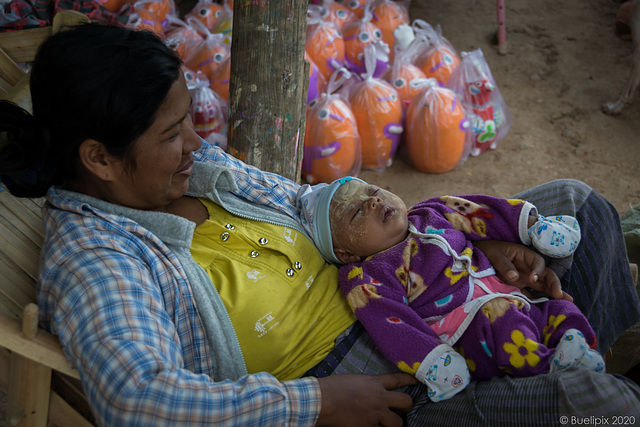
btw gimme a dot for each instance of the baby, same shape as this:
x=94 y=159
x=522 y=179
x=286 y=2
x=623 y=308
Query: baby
x=430 y=300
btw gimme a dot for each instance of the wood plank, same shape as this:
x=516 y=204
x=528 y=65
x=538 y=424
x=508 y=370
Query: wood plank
x=44 y=348
x=9 y=70
x=22 y=45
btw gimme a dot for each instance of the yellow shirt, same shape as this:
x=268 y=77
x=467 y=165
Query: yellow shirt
x=282 y=297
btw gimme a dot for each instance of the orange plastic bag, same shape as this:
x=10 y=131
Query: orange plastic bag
x=438 y=136
x=378 y=112
x=209 y=112
x=331 y=141
x=324 y=45
x=488 y=113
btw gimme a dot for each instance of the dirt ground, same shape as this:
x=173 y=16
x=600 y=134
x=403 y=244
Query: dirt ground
x=564 y=61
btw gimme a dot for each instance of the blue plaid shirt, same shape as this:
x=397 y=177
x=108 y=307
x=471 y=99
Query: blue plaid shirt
x=118 y=299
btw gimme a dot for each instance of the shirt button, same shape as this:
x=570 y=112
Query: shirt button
x=224 y=236
x=297 y=265
x=290 y=272
x=230 y=227
x=254 y=254
x=263 y=241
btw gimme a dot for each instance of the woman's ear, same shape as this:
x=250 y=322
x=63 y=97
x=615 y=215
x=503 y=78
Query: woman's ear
x=346 y=257
x=95 y=158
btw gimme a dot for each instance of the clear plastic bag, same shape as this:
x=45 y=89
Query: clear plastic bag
x=209 y=112
x=389 y=15
x=437 y=133
x=209 y=55
x=488 y=114
x=324 y=44
x=356 y=37
x=331 y=141
x=378 y=112
x=437 y=59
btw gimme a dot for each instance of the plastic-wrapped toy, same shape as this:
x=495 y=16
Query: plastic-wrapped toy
x=331 y=141
x=224 y=25
x=337 y=13
x=324 y=44
x=356 y=37
x=488 y=114
x=145 y=20
x=220 y=79
x=403 y=75
x=389 y=15
x=113 y=5
x=209 y=54
x=206 y=11
x=439 y=58
x=317 y=84
x=437 y=133
x=356 y=6
x=185 y=36
x=378 y=112
x=209 y=112
x=162 y=8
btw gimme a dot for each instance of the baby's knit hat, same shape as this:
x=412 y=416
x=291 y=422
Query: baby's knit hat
x=313 y=202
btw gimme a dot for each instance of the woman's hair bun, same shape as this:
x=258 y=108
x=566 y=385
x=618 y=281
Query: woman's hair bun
x=23 y=152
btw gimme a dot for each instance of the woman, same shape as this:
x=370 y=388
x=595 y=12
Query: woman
x=150 y=303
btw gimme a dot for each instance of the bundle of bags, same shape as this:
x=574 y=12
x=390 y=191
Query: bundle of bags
x=380 y=86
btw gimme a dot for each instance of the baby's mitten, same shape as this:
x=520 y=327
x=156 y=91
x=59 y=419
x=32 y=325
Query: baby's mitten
x=557 y=236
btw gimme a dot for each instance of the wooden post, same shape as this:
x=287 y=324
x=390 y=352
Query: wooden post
x=268 y=85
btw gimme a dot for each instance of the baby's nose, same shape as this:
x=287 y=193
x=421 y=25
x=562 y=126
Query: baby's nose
x=374 y=202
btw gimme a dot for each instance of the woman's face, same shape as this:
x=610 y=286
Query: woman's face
x=163 y=157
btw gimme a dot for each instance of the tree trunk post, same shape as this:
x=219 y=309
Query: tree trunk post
x=268 y=84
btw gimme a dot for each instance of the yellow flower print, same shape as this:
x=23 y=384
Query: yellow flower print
x=470 y=363
x=404 y=367
x=521 y=350
x=355 y=272
x=552 y=326
x=515 y=202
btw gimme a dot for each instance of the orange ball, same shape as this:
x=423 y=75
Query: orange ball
x=439 y=62
x=331 y=142
x=378 y=112
x=356 y=6
x=400 y=77
x=144 y=20
x=337 y=13
x=356 y=37
x=325 y=46
x=221 y=78
x=208 y=55
x=207 y=12
x=436 y=130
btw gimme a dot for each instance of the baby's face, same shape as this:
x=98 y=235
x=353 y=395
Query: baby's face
x=366 y=219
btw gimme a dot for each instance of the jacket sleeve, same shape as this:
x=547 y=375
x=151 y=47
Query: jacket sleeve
x=483 y=217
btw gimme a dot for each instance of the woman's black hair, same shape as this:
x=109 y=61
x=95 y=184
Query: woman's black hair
x=87 y=82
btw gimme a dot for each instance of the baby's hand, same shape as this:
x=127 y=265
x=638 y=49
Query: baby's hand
x=557 y=236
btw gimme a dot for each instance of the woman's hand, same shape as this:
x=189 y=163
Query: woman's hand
x=520 y=266
x=363 y=400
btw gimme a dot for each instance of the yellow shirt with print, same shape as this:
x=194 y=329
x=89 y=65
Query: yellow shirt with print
x=283 y=298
